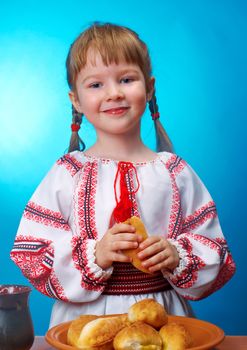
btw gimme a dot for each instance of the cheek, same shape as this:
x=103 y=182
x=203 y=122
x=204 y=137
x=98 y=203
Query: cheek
x=88 y=101
x=137 y=91
x=140 y=98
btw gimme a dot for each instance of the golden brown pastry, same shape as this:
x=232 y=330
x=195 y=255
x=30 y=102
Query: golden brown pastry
x=148 y=311
x=76 y=326
x=132 y=253
x=175 y=337
x=138 y=336
x=101 y=331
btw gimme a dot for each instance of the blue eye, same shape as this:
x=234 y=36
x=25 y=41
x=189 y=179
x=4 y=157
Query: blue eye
x=95 y=85
x=126 y=80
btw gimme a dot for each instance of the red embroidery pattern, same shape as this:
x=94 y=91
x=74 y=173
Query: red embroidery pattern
x=206 y=212
x=96 y=159
x=31 y=255
x=190 y=297
x=29 y=243
x=175 y=220
x=226 y=272
x=227 y=264
x=218 y=245
x=70 y=163
x=175 y=165
x=35 y=258
x=51 y=288
x=131 y=189
x=224 y=250
x=44 y=216
x=85 y=206
x=89 y=280
x=126 y=279
x=189 y=275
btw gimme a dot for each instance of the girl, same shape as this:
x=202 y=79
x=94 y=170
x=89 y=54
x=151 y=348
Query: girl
x=71 y=239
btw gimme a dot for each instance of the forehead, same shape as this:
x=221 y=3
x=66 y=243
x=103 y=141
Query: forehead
x=94 y=57
x=94 y=61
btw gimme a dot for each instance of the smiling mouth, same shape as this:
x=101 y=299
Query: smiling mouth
x=116 y=111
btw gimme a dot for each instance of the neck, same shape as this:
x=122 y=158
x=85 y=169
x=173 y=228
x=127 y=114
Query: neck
x=121 y=147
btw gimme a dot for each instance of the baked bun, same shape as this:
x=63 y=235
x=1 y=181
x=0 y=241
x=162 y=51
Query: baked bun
x=175 y=336
x=132 y=253
x=148 y=311
x=138 y=336
x=76 y=326
x=101 y=331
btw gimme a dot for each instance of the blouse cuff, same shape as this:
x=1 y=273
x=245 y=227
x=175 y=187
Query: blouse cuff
x=95 y=269
x=183 y=260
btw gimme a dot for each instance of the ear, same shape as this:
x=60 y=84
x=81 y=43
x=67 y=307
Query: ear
x=150 y=88
x=75 y=102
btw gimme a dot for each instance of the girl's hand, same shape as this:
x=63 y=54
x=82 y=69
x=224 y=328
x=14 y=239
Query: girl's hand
x=118 y=238
x=158 y=254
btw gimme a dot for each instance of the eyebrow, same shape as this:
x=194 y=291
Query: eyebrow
x=92 y=76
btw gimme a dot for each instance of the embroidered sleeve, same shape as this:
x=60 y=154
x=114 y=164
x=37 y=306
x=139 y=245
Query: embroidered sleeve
x=205 y=263
x=44 y=244
x=93 y=277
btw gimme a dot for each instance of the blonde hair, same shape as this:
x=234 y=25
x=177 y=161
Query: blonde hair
x=115 y=44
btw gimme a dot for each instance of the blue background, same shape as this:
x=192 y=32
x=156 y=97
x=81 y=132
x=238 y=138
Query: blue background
x=199 y=56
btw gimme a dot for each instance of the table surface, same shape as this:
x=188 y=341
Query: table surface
x=229 y=343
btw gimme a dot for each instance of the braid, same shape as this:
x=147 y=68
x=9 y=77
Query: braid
x=76 y=143
x=163 y=143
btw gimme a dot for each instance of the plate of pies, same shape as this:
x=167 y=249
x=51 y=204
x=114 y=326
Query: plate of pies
x=146 y=326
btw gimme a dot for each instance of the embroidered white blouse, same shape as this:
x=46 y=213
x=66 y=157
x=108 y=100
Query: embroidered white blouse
x=71 y=209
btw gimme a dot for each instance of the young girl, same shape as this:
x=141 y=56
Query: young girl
x=71 y=239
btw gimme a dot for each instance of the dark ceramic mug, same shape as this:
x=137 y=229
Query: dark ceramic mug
x=16 y=327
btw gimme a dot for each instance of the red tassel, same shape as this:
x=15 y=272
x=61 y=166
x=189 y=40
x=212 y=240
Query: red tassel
x=123 y=209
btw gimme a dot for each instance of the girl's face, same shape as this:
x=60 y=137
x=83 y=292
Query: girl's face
x=113 y=98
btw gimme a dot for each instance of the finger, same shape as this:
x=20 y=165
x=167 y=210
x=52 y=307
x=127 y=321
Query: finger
x=132 y=237
x=159 y=258
x=169 y=264
x=151 y=250
x=123 y=245
x=156 y=268
x=117 y=228
x=120 y=257
x=149 y=241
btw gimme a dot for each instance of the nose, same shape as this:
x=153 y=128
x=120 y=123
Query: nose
x=114 y=92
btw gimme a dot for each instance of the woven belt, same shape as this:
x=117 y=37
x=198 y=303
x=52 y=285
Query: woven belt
x=126 y=279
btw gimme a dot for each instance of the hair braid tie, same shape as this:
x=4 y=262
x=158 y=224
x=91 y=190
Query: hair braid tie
x=75 y=127
x=76 y=143
x=155 y=115
x=163 y=143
